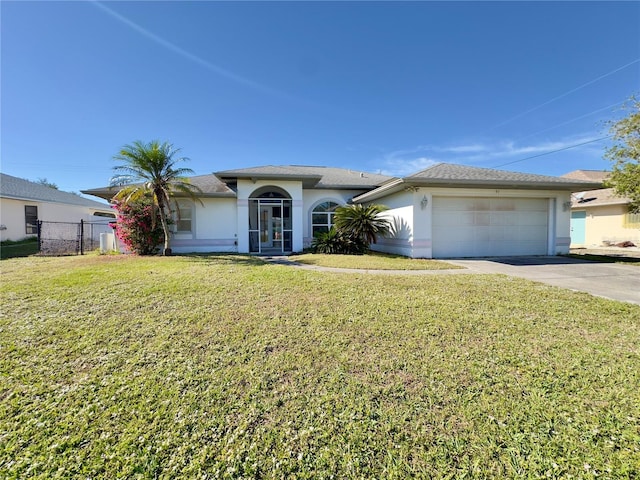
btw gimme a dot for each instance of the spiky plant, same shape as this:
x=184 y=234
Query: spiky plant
x=363 y=222
x=338 y=242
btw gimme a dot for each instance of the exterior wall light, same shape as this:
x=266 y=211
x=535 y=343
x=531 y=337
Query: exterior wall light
x=424 y=202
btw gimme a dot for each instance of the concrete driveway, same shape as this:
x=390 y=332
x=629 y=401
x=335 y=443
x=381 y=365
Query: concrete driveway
x=609 y=280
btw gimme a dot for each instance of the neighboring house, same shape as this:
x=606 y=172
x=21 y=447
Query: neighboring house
x=23 y=203
x=444 y=211
x=600 y=217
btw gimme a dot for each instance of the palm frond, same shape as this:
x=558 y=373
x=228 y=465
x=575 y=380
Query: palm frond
x=364 y=222
x=151 y=169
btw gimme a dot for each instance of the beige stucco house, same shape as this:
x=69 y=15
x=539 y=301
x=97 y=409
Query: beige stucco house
x=600 y=217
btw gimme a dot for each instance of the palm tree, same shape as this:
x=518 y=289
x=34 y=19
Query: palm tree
x=149 y=170
x=362 y=222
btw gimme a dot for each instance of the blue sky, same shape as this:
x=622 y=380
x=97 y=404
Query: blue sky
x=389 y=87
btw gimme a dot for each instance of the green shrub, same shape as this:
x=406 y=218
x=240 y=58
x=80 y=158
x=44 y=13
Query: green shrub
x=137 y=228
x=338 y=242
x=363 y=222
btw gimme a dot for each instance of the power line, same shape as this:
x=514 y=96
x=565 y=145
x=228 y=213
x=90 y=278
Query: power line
x=522 y=114
x=553 y=151
x=572 y=120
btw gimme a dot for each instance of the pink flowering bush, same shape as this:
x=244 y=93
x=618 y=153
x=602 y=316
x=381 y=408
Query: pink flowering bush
x=136 y=228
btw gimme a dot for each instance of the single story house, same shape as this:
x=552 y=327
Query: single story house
x=600 y=217
x=443 y=211
x=23 y=203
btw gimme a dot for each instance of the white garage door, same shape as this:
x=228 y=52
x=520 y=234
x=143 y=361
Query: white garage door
x=485 y=227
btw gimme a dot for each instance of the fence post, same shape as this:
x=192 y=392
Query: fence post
x=81 y=237
x=39 y=236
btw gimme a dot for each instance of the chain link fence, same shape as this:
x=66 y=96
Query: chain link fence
x=70 y=238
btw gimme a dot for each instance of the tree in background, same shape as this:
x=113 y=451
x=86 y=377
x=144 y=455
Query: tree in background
x=149 y=170
x=625 y=155
x=46 y=183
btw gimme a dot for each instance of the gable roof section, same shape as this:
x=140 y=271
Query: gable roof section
x=597 y=198
x=311 y=177
x=594 y=198
x=589 y=175
x=210 y=185
x=21 y=189
x=462 y=176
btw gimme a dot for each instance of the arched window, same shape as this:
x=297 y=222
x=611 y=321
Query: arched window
x=322 y=217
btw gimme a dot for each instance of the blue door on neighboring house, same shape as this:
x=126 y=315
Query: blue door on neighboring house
x=578 y=221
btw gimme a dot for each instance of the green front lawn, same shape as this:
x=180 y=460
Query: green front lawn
x=19 y=248
x=371 y=261
x=228 y=367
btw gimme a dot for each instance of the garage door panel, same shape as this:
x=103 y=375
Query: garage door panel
x=511 y=235
x=446 y=218
x=497 y=234
x=533 y=219
x=532 y=204
x=481 y=219
x=475 y=227
x=481 y=234
x=504 y=218
x=502 y=204
x=532 y=234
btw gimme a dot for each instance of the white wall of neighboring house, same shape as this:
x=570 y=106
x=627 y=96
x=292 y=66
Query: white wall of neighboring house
x=12 y=215
x=12 y=219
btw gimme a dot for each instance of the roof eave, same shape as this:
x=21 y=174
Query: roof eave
x=109 y=194
x=397 y=184
x=526 y=185
x=391 y=186
x=307 y=180
x=328 y=186
x=606 y=203
x=49 y=200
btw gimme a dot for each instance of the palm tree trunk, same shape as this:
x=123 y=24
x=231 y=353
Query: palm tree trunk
x=165 y=228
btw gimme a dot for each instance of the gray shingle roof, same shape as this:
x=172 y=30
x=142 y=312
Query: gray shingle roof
x=220 y=184
x=311 y=176
x=210 y=185
x=21 y=189
x=462 y=175
x=597 y=198
x=591 y=175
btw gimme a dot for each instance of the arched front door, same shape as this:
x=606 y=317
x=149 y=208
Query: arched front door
x=270 y=225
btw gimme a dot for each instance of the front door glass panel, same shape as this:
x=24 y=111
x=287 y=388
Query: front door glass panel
x=270 y=225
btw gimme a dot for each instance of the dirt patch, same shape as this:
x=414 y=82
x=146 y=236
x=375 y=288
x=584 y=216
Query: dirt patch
x=631 y=252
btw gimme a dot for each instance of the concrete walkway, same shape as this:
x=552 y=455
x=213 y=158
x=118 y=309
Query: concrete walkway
x=609 y=280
